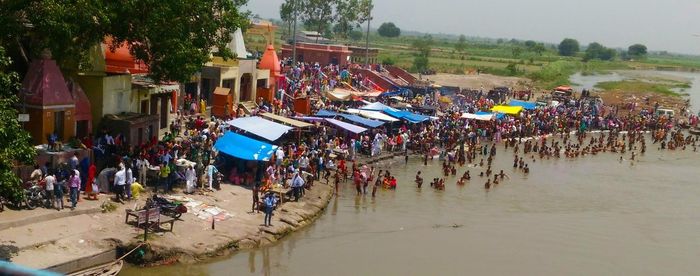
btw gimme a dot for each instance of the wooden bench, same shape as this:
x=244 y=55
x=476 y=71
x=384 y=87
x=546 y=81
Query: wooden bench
x=152 y=216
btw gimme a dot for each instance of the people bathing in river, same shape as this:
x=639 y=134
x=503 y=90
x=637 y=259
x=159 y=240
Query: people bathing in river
x=419 y=179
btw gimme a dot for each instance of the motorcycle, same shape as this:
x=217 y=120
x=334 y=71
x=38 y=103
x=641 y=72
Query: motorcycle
x=167 y=208
x=35 y=196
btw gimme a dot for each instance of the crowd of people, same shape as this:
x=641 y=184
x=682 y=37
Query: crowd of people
x=185 y=155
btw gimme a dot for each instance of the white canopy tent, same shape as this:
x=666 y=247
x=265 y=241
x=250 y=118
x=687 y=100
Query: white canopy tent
x=372 y=115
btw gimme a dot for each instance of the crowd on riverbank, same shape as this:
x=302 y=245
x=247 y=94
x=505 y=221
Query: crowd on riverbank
x=186 y=156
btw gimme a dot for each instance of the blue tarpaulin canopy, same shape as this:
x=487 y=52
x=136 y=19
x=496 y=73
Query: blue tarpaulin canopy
x=363 y=121
x=525 y=105
x=243 y=147
x=406 y=115
x=349 y=127
x=260 y=127
x=326 y=113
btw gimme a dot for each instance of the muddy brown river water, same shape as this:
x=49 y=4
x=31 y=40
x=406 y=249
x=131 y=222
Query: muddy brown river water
x=593 y=215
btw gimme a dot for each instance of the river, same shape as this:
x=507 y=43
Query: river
x=590 y=216
x=581 y=81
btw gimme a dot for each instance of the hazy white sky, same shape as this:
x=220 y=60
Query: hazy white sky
x=661 y=25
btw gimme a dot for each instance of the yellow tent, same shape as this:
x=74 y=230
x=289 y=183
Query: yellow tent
x=512 y=110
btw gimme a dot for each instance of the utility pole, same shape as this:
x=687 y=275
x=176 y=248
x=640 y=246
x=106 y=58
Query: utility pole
x=294 y=35
x=369 y=18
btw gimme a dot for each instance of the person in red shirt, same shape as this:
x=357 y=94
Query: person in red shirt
x=357 y=179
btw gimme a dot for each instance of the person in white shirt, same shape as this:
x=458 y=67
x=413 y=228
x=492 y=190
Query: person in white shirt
x=142 y=167
x=190 y=177
x=119 y=183
x=279 y=154
x=50 y=180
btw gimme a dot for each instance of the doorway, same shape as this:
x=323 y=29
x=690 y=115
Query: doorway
x=81 y=128
x=59 y=123
x=246 y=93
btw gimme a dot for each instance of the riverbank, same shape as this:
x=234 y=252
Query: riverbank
x=66 y=241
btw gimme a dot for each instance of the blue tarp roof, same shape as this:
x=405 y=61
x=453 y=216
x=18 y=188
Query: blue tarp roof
x=244 y=147
x=350 y=117
x=406 y=115
x=525 y=105
x=361 y=120
x=326 y=113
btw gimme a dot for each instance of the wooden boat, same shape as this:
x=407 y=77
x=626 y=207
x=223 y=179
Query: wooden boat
x=108 y=269
x=694 y=130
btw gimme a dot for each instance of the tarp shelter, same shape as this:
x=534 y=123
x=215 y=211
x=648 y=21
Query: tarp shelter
x=525 y=105
x=343 y=125
x=361 y=120
x=511 y=110
x=482 y=117
x=309 y=118
x=376 y=106
x=326 y=113
x=406 y=115
x=372 y=115
x=339 y=94
x=285 y=120
x=245 y=148
x=260 y=127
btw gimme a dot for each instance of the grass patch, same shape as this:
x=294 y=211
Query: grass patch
x=642 y=86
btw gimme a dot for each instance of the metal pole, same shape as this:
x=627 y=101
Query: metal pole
x=294 y=34
x=369 y=18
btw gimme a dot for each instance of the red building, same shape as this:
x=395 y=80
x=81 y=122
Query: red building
x=321 y=53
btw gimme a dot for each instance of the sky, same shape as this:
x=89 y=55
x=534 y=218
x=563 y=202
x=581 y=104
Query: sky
x=670 y=25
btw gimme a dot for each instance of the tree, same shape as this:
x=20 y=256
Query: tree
x=637 y=51
x=461 y=43
x=318 y=14
x=539 y=48
x=355 y=35
x=517 y=51
x=287 y=14
x=420 y=63
x=173 y=38
x=388 y=29
x=347 y=14
x=607 y=54
x=530 y=44
x=593 y=51
x=15 y=142
x=568 y=47
x=423 y=47
x=596 y=50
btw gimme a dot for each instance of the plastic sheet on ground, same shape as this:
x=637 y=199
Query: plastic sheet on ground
x=202 y=210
